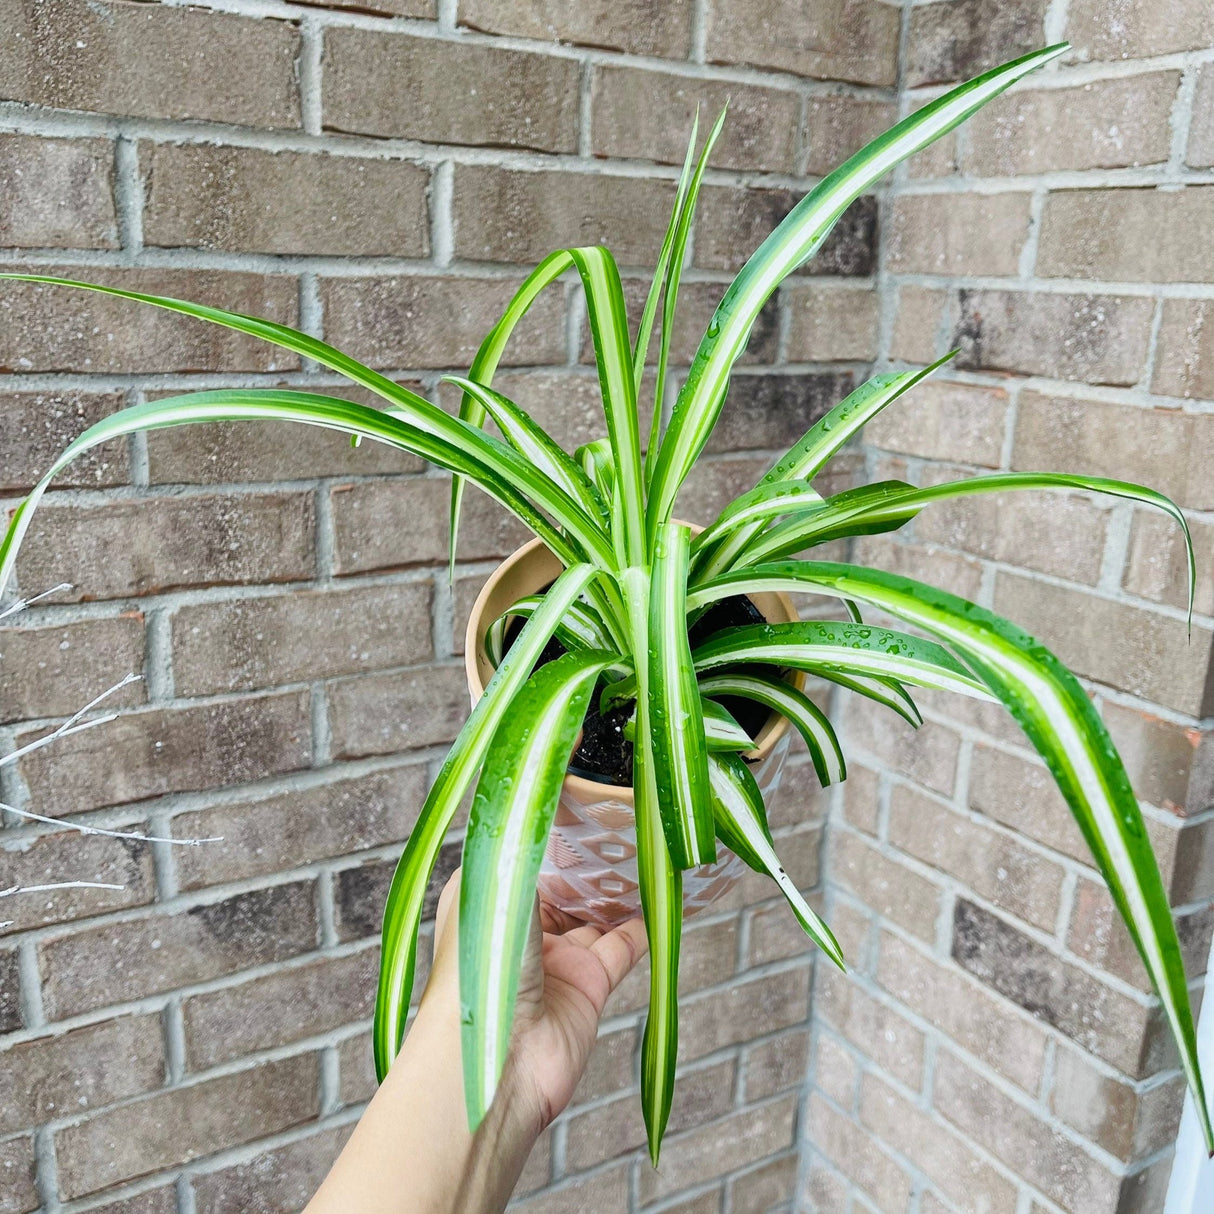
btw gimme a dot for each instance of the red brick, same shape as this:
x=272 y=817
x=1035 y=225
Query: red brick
x=186 y=1123
x=641 y=29
x=49 y=859
x=138 y=957
x=39 y=425
x=1168 y=764
x=277 y=833
x=244 y=199
x=152 y=62
x=855 y=40
x=277 y=1181
x=150 y=545
x=147 y=754
x=50 y=328
x=56 y=1077
x=386 y=713
x=279 y=1008
x=411 y=323
x=962 y=39
x=1157 y=567
x=261 y=642
x=401 y=86
x=52 y=672
x=57 y=192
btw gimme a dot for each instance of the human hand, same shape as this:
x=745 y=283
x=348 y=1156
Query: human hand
x=569 y=971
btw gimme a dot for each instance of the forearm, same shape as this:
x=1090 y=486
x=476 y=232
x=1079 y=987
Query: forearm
x=412 y=1153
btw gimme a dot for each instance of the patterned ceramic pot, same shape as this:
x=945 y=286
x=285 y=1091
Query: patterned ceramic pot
x=590 y=868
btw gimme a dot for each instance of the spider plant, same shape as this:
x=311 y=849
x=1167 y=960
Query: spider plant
x=632 y=580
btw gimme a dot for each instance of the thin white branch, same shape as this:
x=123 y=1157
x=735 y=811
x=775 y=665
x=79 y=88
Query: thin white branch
x=41 y=889
x=109 y=834
x=22 y=604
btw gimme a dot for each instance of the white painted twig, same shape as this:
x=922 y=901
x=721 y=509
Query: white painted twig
x=109 y=834
x=41 y=889
x=22 y=604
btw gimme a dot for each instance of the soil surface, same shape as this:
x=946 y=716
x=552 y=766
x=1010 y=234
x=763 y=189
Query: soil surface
x=604 y=754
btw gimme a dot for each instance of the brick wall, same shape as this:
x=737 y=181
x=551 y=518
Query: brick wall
x=197 y=1041
x=994 y=1048
x=381 y=174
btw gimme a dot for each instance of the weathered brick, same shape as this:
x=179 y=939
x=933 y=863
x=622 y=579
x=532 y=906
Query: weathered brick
x=401 y=86
x=18 y=1188
x=1061 y=534
x=49 y=859
x=965 y=1012
x=362 y=890
x=55 y=1077
x=776 y=1066
x=1128 y=235
x=917 y=324
x=836 y=1071
x=992 y=864
x=201 y=196
x=11 y=1015
x=745 y=1009
x=732 y=222
x=721 y=1147
x=356 y=1067
x=831 y=325
x=505 y=215
x=824 y=1190
x=924 y=562
x=138 y=957
x=50 y=328
x=888 y=887
x=648 y=115
x=39 y=425
x=1111 y=29
x=617 y=1127
x=1201 y=132
x=708 y=957
x=278 y=1181
x=1168 y=450
x=1149 y=655
x=1021 y=794
x=610 y=1068
x=854 y=40
x=838 y=126
x=260 y=642
x=632 y=26
x=775 y=934
x=409 y=323
x=147 y=754
x=1170 y=765
x=1112 y=1113
x=1100 y=1019
x=146 y=546
x=398 y=523
x=890 y=1040
x=961 y=1174
x=273 y=834
x=57 y=193
x=279 y=1009
x=764 y=1187
x=962 y=39
x=151 y=62
x=1015 y=1135
x=49 y=672
x=939 y=420
x=774 y=411
x=600 y=1192
x=383 y=714
x=1184 y=359
x=1101 y=339
x=161 y=1200
x=800 y=855
x=1157 y=566
x=1103 y=124
x=927 y=754
x=957 y=233
x=239 y=452
x=186 y=1123
x=859 y=1156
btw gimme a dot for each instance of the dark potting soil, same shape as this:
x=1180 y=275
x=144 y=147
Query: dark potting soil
x=604 y=754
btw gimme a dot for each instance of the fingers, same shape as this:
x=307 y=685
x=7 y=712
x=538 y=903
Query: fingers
x=620 y=949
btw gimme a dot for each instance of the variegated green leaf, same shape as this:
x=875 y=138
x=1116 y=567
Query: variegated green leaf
x=742 y=824
x=508 y=825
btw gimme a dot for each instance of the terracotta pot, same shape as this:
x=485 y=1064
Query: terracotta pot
x=590 y=869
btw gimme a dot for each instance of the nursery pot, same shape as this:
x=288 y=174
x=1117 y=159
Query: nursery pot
x=590 y=869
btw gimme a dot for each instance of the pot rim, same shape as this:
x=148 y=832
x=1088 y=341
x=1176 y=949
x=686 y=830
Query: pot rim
x=770 y=735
